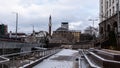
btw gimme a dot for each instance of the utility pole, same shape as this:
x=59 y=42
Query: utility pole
x=16 y=23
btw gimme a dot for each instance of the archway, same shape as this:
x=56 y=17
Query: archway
x=115 y=26
x=108 y=28
x=101 y=30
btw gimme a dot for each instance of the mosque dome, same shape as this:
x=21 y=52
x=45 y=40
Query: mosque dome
x=62 y=29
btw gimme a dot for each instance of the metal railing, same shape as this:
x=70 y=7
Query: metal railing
x=92 y=65
x=20 y=59
x=102 y=58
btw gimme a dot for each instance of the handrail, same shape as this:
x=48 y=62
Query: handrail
x=90 y=63
x=20 y=53
x=97 y=56
x=5 y=59
x=42 y=58
x=106 y=52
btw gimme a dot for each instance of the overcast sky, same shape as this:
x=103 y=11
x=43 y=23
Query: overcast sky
x=37 y=12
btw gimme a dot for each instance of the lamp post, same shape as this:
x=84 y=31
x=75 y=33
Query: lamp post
x=16 y=23
x=93 y=21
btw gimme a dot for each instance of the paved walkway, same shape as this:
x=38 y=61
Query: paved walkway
x=64 y=59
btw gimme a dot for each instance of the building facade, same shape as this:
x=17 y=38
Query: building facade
x=76 y=34
x=109 y=29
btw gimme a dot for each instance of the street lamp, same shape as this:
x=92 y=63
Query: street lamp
x=93 y=21
x=16 y=23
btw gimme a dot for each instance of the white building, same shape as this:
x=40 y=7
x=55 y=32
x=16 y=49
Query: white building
x=37 y=37
x=108 y=8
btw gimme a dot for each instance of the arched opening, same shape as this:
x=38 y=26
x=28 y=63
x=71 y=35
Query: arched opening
x=108 y=28
x=101 y=30
x=115 y=26
x=111 y=35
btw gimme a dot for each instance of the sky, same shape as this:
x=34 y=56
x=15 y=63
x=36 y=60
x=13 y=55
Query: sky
x=36 y=13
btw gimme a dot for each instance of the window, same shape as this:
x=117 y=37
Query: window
x=113 y=1
x=116 y=7
x=110 y=13
x=113 y=10
x=107 y=5
x=108 y=28
x=109 y=2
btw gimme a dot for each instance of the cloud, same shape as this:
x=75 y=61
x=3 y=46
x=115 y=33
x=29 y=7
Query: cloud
x=75 y=25
x=36 y=12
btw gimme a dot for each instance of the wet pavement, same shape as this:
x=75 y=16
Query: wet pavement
x=64 y=59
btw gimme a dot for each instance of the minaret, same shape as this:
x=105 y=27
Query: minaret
x=50 y=25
